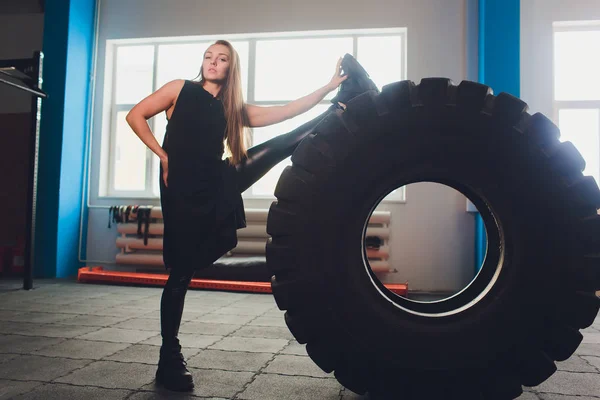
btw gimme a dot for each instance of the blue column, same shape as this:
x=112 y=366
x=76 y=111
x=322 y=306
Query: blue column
x=68 y=50
x=499 y=67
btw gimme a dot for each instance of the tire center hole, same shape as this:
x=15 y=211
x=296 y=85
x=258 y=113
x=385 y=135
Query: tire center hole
x=435 y=242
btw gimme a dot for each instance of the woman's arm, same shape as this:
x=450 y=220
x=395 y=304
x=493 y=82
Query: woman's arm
x=138 y=116
x=263 y=116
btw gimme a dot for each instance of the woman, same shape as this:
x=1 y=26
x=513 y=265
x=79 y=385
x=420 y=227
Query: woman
x=200 y=191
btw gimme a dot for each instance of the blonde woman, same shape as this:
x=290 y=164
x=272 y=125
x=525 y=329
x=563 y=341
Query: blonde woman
x=201 y=190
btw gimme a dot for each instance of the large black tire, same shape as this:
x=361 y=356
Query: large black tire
x=535 y=290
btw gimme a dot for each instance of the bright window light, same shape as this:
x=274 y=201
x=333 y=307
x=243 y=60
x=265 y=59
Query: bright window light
x=135 y=66
x=283 y=67
x=383 y=65
x=582 y=128
x=130 y=158
x=577 y=65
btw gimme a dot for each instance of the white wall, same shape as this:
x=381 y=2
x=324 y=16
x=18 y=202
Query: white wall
x=537 y=17
x=432 y=233
x=21 y=35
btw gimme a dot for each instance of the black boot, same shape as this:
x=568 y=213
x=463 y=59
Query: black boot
x=357 y=83
x=172 y=372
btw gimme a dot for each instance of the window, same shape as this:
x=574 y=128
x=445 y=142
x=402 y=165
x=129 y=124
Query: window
x=276 y=69
x=577 y=89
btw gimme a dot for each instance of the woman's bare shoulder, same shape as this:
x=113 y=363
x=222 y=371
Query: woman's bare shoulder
x=175 y=85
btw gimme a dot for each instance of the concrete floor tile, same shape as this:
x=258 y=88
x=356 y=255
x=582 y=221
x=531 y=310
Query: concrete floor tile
x=36 y=368
x=588 y=349
x=112 y=375
x=286 y=364
x=214 y=383
x=295 y=348
x=575 y=364
x=594 y=362
x=56 y=391
x=122 y=312
x=82 y=349
x=187 y=340
x=272 y=332
x=26 y=344
x=226 y=319
x=239 y=311
x=230 y=360
x=118 y=335
x=93 y=320
x=11 y=389
x=570 y=383
x=46 y=330
x=551 y=396
x=41 y=318
x=207 y=328
x=162 y=394
x=591 y=338
x=141 y=324
x=269 y=321
x=255 y=345
x=277 y=387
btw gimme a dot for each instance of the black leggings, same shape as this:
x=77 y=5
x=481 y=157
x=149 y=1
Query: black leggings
x=260 y=159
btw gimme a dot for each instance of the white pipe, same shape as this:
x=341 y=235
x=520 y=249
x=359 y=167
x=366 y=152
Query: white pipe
x=140 y=259
x=243 y=246
x=250 y=231
x=138 y=244
x=380 y=266
x=248 y=247
x=157 y=244
x=383 y=233
x=382 y=252
x=131 y=228
x=157 y=260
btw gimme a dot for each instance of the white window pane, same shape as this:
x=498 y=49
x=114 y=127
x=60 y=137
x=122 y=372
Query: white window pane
x=243 y=50
x=130 y=157
x=179 y=61
x=266 y=185
x=381 y=57
x=582 y=128
x=291 y=68
x=135 y=66
x=577 y=65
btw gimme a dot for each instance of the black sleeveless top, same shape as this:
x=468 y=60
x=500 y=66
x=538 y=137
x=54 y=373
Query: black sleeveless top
x=194 y=139
x=202 y=191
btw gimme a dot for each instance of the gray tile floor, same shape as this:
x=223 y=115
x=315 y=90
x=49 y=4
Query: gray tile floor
x=65 y=340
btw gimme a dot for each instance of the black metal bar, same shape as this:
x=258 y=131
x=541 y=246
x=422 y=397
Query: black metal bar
x=15 y=73
x=36 y=105
x=32 y=69
x=36 y=92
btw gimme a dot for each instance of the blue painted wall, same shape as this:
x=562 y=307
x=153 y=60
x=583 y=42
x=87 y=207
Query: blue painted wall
x=68 y=50
x=499 y=67
x=499 y=45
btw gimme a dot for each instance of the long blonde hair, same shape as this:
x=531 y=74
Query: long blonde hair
x=232 y=97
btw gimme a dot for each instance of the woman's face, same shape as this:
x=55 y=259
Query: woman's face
x=215 y=66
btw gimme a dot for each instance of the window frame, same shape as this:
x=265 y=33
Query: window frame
x=108 y=170
x=558 y=105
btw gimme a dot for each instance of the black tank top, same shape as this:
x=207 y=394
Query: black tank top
x=194 y=139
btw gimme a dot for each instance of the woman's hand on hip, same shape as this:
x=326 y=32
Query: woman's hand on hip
x=164 y=162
